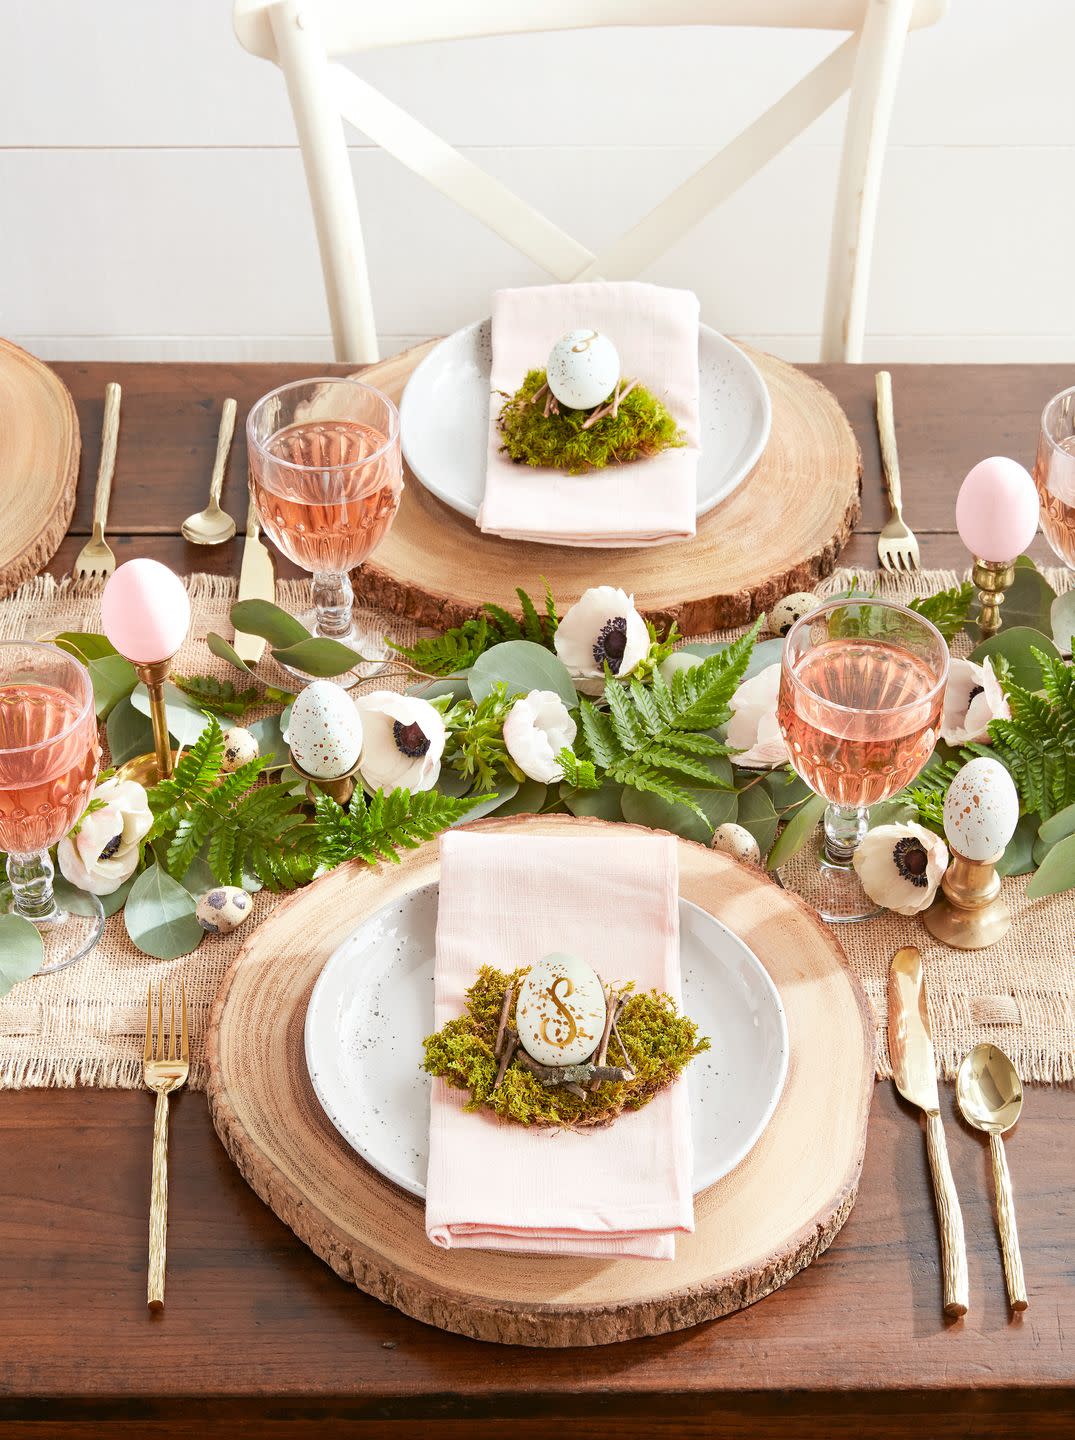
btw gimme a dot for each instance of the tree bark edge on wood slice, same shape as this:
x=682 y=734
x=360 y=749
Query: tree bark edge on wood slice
x=373 y=1235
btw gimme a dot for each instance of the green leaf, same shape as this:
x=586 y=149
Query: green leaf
x=223 y=650
x=784 y=786
x=129 y=733
x=260 y=617
x=521 y=666
x=578 y=774
x=317 y=656
x=948 y=609
x=758 y=815
x=1017 y=646
x=1058 y=826
x=159 y=916
x=764 y=654
x=1029 y=599
x=797 y=832
x=1018 y=857
x=84 y=646
x=271 y=747
x=717 y=807
x=527 y=800
x=220 y=696
x=186 y=719
x=1057 y=871
x=488 y=804
x=1062 y=621
x=22 y=951
x=113 y=680
x=604 y=803
x=379 y=826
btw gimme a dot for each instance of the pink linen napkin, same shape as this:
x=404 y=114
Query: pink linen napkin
x=647 y=502
x=622 y=1190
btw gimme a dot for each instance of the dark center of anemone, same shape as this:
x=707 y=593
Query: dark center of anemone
x=411 y=739
x=111 y=848
x=610 y=644
x=911 y=860
x=978 y=690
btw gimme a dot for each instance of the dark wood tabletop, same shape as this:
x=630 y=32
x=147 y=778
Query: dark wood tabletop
x=258 y=1336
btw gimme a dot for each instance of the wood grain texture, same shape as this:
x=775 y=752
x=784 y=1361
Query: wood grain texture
x=754 y=1230
x=39 y=446
x=436 y=567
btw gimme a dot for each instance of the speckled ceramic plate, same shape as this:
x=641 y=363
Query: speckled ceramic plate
x=372 y=1006
x=444 y=418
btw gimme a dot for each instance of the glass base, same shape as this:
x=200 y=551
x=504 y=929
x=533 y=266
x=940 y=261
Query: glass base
x=367 y=644
x=834 y=891
x=67 y=936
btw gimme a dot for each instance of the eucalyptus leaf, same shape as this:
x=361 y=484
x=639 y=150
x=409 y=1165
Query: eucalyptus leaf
x=1058 y=826
x=1027 y=604
x=129 y=733
x=113 y=680
x=270 y=740
x=22 y=951
x=318 y=656
x=1057 y=871
x=220 y=647
x=1015 y=646
x=758 y=815
x=78 y=902
x=199 y=878
x=892 y=812
x=261 y=617
x=506 y=791
x=185 y=720
x=1062 y=621
x=527 y=800
x=784 y=786
x=457 y=686
x=85 y=646
x=797 y=832
x=642 y=808
x=159 y=916
x=521 y=666
x=604 y=803
x=1018 y=857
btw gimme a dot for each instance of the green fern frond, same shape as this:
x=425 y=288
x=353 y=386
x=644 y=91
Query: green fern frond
x=948 y=609
x=579 y=774
x=378 y=827
x=458 y=648
x=220 y=696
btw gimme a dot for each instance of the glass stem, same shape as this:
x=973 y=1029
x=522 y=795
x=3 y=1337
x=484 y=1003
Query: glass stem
x=845 y=825
x=31 y=886
x=333 y=598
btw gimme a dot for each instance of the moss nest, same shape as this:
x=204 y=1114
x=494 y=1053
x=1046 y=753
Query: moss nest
x=660 y=1041
x=642 y=427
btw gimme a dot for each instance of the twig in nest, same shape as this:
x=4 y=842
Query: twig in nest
x=539 y=392
x=575 y=1090
x=551 y=407
x=611 y=407
x=616 y=1030
x=505 y=1011
x=601 y=1053
x=506 y=1056
x=573 y=1074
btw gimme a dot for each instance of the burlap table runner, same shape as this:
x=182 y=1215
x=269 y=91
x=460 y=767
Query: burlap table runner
x=84 y=1026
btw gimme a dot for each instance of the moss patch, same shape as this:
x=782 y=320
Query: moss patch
x=660 y=1041
x=642 y=427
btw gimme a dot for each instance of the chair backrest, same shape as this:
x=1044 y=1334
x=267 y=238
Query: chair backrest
x=303 y=37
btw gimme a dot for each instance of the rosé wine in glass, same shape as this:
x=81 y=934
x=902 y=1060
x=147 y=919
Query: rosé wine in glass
x=1054 y=474
x=861 y=692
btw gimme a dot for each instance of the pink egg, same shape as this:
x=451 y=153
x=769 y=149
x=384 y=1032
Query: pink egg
x=997 y=509
x=145 y=611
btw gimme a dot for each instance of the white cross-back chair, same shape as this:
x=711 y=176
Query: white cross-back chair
x=303 y=37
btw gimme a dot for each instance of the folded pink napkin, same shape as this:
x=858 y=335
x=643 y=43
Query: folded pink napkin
x=647 y=502
x=495 y=1185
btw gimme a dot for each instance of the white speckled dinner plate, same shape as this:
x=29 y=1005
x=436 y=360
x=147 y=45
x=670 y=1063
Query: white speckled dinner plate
x=444 y=418
x=372 y=1006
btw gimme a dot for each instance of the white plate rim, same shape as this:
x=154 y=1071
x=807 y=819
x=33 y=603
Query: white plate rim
x=313 y=1069
x=462 y=507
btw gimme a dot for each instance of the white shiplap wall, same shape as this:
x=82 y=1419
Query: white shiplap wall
x=154 y=204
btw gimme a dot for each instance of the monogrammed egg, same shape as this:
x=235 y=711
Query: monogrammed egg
x=560 y=1013
x=785 y=612
x=223 y=910
x=583 y=369
x=325 y=731
x=737 y=841
x=240 y=748
x=981 y=810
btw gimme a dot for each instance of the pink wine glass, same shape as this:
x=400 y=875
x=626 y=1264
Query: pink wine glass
x=49 y=756
x=861 y=691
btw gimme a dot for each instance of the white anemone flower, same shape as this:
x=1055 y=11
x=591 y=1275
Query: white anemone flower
x=402 y=741
x=753 y=728
x=601 y=628
x=104 y=853
x=972 y=699
x=900 y=866
x=537 y=728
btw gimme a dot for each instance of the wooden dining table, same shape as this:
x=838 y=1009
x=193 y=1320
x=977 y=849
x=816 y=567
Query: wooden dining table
x=259 y=1337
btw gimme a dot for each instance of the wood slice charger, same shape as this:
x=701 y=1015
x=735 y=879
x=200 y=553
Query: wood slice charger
x=779 y=531
x=39 y=443
x=755 y=1229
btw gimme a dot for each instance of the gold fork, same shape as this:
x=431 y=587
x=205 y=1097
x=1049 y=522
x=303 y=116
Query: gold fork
x=897 y=547
x=167 y=1065
x=95 y=559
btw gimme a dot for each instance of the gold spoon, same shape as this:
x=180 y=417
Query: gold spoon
x=990 y=1096
x=212 y=526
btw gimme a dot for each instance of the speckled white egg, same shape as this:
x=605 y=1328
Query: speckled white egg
x=981 y=810
x=583 y=369
x=737 y=841
x=223 y=909
x=325 y=731
x=240 y=748
x=560 y=1013
x=785 y=612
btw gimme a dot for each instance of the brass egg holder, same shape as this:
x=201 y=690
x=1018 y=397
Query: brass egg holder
x=340 y=788
x=993 y=578
x=969 y=911
x=149 y=769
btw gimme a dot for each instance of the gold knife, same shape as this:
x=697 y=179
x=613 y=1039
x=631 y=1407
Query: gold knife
x=255 y=583
x=910 y=1044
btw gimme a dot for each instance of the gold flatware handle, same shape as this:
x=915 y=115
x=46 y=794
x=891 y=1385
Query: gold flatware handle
x=1009 y=1233
x=107 y=466
x=886 y=433
x=253 y=520
x=158 y=1204
x=953 y=1243
x=223 y=448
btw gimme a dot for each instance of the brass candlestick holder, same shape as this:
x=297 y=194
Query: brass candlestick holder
x=159 y=765
x=969 y=911
x=340 y=788
x=993 y=578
